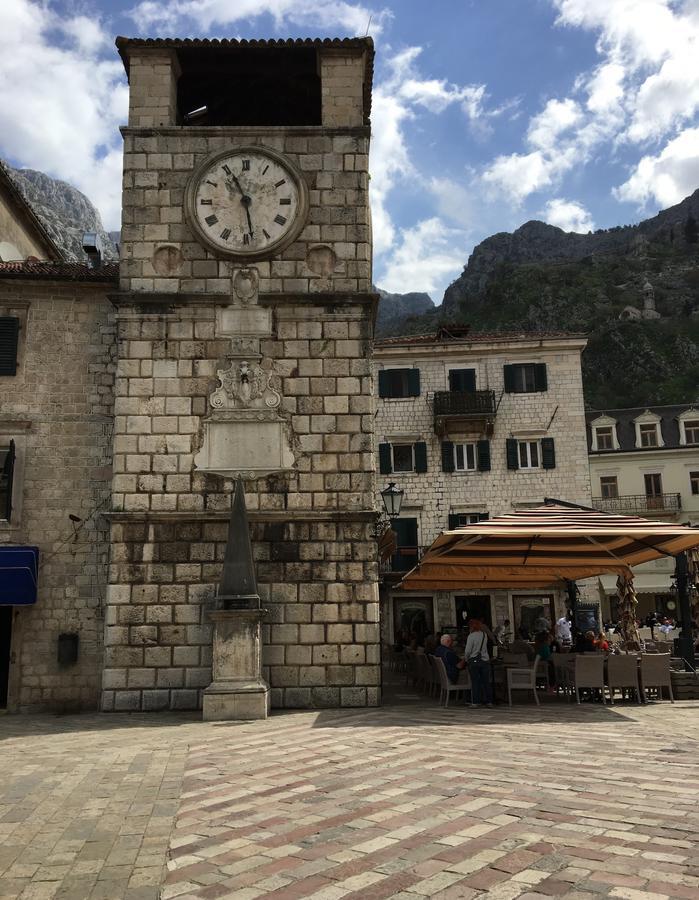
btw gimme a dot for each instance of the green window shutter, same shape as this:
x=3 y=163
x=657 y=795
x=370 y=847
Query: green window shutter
x=482 y=517
x=540 y=379
x=421 y=457
x=548 y=453
x=512 y=455
x=413 y=382
x=462 y=380
x=453 y=521
x=509 y=376
x=8 y=470
x=384 y=390
x=385 y=459
x=447 y=456
x=9 y=334
x=483 y=455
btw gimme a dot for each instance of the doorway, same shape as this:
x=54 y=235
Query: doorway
x=5 y=647
x=414 y=615
x=476 y=606
x=528 y=608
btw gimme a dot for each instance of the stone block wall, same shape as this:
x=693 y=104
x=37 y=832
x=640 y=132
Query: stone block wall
x=331 y=255
x=58 y=409
x=312 y=526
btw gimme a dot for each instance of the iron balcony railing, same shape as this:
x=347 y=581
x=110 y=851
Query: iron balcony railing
x=639 y=503
x=464 y=403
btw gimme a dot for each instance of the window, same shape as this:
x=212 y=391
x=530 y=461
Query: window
x=525 y=378
x=605 y=437
x=7 y=467
x=648 y=433
x=609 y=487
x=529 y=454
x=694 y=483
x=691 y=431
x=464 y=457
x=402 y=457
x=462 y=380
x=654 y=490
x=9 y=333
x=406 y=554
x=397 y=383
x=457 y=520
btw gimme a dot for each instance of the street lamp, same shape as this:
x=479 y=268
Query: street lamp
x=392 y=500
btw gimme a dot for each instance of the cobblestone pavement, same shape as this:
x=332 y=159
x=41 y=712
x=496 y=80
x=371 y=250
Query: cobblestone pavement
x=405 y=801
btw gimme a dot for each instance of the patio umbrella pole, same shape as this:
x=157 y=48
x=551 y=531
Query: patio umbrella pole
x=685 y=641
x=572 y=589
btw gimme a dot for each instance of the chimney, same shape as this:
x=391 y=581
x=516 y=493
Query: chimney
x=92 y=245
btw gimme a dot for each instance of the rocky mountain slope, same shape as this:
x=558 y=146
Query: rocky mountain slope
x=64 y=211
x=396 y=310
x=540 y=278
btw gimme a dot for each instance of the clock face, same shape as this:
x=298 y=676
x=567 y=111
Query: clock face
x=247 y=202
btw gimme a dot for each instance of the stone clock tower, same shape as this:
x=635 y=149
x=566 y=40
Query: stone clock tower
x=245 y=314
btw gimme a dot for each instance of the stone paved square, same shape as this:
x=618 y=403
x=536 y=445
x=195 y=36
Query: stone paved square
x=404 y=801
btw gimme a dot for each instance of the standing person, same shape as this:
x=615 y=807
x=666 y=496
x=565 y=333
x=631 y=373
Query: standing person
x=476 y=656
x=503 y=632
x=564 y=632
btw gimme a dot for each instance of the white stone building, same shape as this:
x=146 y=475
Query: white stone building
x=470 y=426
x=645 y=462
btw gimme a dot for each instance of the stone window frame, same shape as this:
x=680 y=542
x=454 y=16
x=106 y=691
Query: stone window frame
x=604 y=422
x=648 y=418
x=410 y=444
x=15 y=430
x=687 y=417
x=18 y=309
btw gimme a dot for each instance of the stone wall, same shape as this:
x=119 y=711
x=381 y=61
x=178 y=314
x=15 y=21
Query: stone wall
x=58 y=409
x=312 y=531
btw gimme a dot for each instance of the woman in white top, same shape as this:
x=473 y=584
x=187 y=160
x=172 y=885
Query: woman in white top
x=476 y=656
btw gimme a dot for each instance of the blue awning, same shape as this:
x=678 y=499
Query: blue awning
x=19 y=567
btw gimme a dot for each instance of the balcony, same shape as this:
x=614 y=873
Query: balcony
x=457 y=408
x=640 y=504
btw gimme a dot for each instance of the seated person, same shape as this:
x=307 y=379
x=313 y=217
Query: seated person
x=452 y=662
x=602 y=643
x=585 y=642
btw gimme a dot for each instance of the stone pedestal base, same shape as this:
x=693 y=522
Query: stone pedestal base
x=238 y=690
x=236 y=700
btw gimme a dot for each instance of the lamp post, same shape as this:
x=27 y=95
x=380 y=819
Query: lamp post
x=392 y=500
x=685 y=641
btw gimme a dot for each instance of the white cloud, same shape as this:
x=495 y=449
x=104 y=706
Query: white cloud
x=519 y=174
x=428 y=257
x=163 y=15
x=62 y=105
x=668 y=177
x=557 y=117
x=568 y=215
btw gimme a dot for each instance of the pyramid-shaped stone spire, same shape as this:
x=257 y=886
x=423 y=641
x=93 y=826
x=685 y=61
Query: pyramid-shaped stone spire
x=238 y=588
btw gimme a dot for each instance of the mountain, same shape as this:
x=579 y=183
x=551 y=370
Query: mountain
x=64 y=211
x=396 y=310
x=540 y=278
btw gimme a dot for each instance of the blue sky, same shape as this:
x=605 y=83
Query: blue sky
x=487 y=113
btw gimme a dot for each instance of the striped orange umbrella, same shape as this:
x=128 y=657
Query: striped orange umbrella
x=544 y=547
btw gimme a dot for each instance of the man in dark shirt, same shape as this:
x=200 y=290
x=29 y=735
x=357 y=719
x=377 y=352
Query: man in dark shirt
x=449 y=657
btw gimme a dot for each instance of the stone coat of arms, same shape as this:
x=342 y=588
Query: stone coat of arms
x=244 y=386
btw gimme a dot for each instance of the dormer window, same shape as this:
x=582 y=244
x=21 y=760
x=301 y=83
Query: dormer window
x=648 y=434
x=605 y=437
x=689 y=427
x=648 y=431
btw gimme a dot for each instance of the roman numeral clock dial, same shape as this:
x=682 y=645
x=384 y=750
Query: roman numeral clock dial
x=248 y=203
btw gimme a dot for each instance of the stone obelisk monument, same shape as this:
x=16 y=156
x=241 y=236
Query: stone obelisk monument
x=238 y=690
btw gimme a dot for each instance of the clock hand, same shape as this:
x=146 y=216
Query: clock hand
x=246 y=201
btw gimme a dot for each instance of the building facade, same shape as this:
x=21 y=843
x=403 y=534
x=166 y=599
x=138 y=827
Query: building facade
x=473 y=426
x=644 y=461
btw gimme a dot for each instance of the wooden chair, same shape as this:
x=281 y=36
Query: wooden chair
x=523 y=679
x=622 y=675
x=446 y=688
x=655 y=673
x=589 y=673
